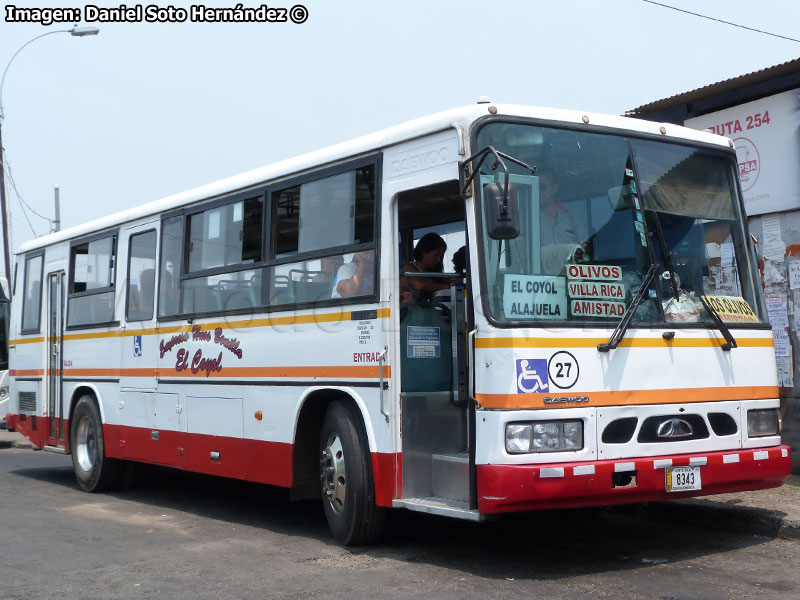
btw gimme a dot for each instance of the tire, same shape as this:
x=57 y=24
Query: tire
x=348 y=488
x=94 y=472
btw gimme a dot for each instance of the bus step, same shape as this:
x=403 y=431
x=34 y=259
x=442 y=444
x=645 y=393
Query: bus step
x=450 y=476
x=440 y=506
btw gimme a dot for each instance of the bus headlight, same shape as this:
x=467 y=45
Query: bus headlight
x=3 y=393
x=544 y=436
x=763 y=422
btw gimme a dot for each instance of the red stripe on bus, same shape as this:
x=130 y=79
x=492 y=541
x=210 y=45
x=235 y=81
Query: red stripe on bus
x=258 y=461
x=510 y=488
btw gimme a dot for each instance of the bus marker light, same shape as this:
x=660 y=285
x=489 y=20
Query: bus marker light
x=259 y=415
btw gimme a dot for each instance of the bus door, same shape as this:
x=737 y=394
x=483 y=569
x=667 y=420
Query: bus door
x=155 y=418
x=55 y=332
x=438 y=462
x=139 y=342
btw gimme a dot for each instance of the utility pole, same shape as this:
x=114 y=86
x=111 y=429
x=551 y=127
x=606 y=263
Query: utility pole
x=3 y=207
x=75 y=32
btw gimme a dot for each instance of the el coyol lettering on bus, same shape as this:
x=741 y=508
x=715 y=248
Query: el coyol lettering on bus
x=199 y=363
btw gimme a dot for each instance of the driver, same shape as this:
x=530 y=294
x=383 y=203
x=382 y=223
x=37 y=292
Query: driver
x=561 y=229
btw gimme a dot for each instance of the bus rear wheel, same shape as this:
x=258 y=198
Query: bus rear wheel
x=348 y=488
x=93 y=470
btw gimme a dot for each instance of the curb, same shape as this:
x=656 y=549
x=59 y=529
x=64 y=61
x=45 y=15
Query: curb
x=727 y=517
x=9 y=439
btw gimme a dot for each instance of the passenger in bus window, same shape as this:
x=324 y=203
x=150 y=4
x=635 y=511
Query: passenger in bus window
x=357 y=277
x=330 y=267
x=561 y=229
x=428 y=257
x=460 y=261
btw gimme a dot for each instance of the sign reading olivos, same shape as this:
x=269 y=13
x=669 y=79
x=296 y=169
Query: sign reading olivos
x=535 y=297
x=602 y=272
x=592 y=298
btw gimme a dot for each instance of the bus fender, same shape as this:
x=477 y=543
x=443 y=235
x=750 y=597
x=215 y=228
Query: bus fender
x=345 y=391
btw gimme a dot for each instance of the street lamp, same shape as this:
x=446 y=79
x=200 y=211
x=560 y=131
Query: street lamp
x=76 y=32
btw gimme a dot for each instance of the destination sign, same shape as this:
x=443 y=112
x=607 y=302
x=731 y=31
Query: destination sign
x=597 y=308
x=596 y=289
x=604 y=272
x=535 y=297
x=732 y=309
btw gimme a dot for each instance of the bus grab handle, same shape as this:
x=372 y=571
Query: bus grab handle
x=471 y=371
x=381 y=360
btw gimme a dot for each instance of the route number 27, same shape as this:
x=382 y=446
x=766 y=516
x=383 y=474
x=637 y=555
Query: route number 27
x=563 y=370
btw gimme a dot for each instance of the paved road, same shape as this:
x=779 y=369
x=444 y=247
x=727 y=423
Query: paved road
x=179 y=535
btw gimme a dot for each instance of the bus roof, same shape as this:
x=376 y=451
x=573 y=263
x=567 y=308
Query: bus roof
x=461 y=117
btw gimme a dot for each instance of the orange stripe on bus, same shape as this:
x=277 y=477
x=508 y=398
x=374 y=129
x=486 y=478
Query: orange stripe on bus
x=25 y=372
x=630 y=397
x=337 y=372
x=355 y=372
x=382 y=313
x=659 y=342
x=32 y=340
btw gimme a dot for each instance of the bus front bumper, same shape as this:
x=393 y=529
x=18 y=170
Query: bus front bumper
x=508 y=488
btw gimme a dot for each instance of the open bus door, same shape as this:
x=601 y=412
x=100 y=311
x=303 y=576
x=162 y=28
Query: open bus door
x=437 y=419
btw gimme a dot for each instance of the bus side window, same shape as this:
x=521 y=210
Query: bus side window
x=32 y=298
x=169 y=295
x=92 y=284
x=141 y=276
x=323 y=220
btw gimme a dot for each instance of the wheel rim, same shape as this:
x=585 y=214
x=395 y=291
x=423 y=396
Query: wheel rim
x=86 y=444
x=334 y=480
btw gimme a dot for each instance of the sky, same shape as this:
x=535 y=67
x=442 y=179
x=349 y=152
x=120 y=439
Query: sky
x=145 y=110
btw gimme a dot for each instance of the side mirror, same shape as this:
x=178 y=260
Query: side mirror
x=502 y=211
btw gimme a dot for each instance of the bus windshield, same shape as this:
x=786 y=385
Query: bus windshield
x=599 y=211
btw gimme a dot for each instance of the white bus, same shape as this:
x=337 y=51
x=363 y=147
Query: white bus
x=606 y=342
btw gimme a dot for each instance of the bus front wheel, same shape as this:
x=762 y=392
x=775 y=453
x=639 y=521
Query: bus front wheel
x=93 y=470
x=348 y=489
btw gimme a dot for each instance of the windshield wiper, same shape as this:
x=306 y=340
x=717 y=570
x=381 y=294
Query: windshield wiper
x=625 y=321
x=666 y=253
x=730 y=341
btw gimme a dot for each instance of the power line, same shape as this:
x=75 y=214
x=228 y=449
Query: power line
x=688 y=12
x=21 y=204
x=22 y=201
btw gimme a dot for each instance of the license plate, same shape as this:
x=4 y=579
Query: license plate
x=681 y=479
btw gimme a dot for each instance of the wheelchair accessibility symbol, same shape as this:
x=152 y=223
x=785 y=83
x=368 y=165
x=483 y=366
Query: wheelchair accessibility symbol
x=532 y=376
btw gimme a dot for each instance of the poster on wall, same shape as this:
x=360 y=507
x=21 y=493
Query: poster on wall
x=766 y=135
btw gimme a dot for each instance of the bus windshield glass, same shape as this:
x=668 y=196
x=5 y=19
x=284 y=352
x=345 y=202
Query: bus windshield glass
x=599 y=211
